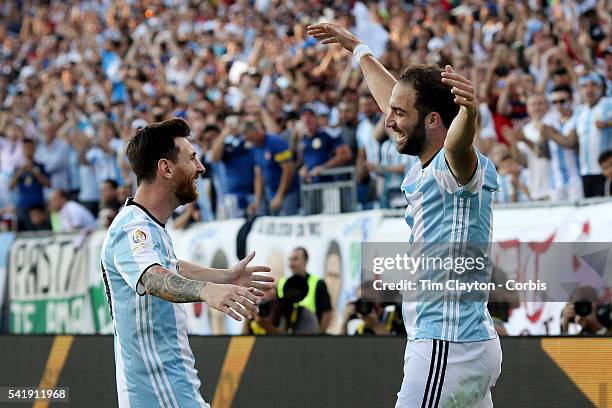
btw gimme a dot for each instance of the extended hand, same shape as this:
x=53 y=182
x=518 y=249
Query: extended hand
x=232 y=300
x=462 y=89
x=329 y=33
x=243 y=275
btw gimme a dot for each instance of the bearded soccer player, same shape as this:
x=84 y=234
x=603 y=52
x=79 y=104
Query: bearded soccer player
x=146 y=283
x=453 y=355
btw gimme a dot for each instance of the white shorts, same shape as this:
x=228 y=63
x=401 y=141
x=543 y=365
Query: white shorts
x=439 y=373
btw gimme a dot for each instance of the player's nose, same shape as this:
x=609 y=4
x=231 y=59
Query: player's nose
x=200 y=167
x=389 y=120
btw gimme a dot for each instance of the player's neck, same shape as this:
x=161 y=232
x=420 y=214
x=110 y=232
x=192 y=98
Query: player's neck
x=429 y=153
x=148 y=197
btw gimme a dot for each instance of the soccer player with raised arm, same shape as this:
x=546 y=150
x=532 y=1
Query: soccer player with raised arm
x=146 y=283
x=453 y=355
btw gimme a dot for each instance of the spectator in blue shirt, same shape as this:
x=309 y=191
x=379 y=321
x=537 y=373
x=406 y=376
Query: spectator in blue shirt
x=274 y=171
x=230 y=149
x=29 y=180
x=320 y=148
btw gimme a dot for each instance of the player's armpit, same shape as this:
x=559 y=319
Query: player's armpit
x=169 y=286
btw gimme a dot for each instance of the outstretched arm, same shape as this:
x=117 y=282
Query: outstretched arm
x=379 y=80
x=229 y=299
x=459 y=142
x=240 y=274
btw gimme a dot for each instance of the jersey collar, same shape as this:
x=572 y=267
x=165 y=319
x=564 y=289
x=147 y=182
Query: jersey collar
x=130 y=201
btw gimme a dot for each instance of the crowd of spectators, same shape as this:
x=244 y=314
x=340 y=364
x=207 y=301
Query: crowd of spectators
x=269 y=108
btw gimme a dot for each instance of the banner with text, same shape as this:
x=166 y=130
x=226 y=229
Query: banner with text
x=48 y=286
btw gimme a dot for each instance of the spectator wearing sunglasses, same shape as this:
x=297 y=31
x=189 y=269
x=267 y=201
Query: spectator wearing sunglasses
x=566 y=183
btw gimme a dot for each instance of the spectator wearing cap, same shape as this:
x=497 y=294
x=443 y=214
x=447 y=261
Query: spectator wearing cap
x=319 y=148
x=68 y=215
x=274 y=171
x=230 y=148
x=591 y=132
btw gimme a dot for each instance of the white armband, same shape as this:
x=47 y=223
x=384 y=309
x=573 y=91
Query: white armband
x=361 y=51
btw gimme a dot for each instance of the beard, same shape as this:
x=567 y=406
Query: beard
x=412 y=142
x=186 y=191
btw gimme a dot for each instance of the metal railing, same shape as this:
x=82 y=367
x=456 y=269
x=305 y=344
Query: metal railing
x=330 y=197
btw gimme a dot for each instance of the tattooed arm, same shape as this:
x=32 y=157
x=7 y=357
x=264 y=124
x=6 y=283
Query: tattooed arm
x=170 y=286
x=229 y=299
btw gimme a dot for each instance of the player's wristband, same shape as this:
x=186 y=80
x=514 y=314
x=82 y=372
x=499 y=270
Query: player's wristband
x=361 y=51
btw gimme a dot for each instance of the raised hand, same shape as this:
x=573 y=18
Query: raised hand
x=462 y=89
x=243 y=275
x=234 y=301
x=330 y=33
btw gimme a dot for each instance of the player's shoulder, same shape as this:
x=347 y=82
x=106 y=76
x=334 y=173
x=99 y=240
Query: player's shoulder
x=130 y=217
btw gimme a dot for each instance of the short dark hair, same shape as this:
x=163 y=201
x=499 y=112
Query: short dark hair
x=112 y=183
x=64 y=194
x=304 y=251
x=605 y=156
x=432 y=95
x=562 y=88
x=211 y=128
x=153 y=143
x=28 y=140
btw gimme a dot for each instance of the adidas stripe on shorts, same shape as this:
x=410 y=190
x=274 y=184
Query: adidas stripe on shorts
x=439 y=373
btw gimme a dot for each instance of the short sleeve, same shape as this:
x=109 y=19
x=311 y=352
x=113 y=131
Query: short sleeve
x=281 y=152
x=136 y=250
x=322 y=299
x=485 y=176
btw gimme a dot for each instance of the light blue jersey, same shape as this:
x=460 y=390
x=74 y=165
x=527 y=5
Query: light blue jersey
x=441 y=211
x=154 y=363
x=504 y=195
x=592 y=140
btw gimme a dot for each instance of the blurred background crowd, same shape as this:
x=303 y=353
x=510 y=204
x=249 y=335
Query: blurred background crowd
x=271 y=111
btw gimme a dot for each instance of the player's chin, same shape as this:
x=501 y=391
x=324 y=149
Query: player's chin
x=403 y=145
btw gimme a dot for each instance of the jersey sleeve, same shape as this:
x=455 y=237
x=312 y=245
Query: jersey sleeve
x=136 y=250
x=485 y=176
x=281 y=152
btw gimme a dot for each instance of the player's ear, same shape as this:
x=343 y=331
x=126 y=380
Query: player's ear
x=433 y=120
x=164 y=168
